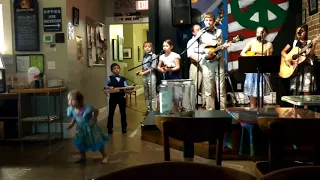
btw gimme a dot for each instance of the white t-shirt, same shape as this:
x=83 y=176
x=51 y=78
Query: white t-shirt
x=170 y=59
x=211 y=37
x=192 y=49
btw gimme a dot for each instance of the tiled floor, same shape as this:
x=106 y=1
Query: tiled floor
x=32 y=162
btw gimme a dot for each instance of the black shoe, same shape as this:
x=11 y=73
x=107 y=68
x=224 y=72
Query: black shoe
x=124 y=131
x=110 y=131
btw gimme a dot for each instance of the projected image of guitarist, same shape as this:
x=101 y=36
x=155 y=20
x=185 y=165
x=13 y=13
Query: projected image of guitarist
x=297 y=64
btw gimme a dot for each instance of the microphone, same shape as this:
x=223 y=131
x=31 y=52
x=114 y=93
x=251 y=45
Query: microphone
x=204 y=29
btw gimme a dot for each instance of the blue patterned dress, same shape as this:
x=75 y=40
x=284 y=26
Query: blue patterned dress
x=88 y=137
x=251 y=85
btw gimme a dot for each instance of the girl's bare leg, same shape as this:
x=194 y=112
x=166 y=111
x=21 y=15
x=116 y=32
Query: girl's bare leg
x=82 y=157
x=104 y=156
x=306 y=93
x=253 y=102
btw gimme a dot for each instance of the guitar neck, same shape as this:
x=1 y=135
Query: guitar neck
x=304 y=49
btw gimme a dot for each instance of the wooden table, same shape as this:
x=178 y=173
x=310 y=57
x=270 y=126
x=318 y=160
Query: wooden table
x=309 y=100
x=188 y=149
x=250 y=115
x=32 y=117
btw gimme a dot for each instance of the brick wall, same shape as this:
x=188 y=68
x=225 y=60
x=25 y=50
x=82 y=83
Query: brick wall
x=313 y=23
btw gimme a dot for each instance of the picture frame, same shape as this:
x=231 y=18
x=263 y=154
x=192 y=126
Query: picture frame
x=75 y=16
x=127 y=53
x=139 y=54
x=115 y=49
x=313 y=7
x=120 y=48
x=303 y=16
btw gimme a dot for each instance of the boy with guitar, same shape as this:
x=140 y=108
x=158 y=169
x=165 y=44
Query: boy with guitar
x=301 y=81
x=116 y=87
x=212 y=63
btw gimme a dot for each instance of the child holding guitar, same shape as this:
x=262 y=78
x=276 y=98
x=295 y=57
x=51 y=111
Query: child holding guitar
x=169 y=62
x=303 y=79
x=254 y=48
x=210 y=61
x=116 y=85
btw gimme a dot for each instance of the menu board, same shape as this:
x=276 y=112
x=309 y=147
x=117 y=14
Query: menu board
x=26 y=22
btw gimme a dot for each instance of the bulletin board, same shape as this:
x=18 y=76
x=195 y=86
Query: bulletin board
x=25 y=61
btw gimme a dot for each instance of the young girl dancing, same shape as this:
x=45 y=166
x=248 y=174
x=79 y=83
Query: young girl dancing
x=89 y=136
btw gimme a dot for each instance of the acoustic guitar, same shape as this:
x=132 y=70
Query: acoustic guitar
x=211 y=51
x=250 y=53
x=290 y=62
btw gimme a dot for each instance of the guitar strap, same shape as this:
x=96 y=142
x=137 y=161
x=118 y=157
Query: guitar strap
x=295 y=43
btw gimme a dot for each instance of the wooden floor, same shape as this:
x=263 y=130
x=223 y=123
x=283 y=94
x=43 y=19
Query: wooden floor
x=32 y=162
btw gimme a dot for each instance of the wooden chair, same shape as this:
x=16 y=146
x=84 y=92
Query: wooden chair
x=284 y=131
x=295 y=173
x=195 y=130
x=129 y=93
x=177 y=170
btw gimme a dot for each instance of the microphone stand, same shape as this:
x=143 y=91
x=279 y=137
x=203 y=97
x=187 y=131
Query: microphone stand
x=260 y=99
x=197 y=39
x=298 y=68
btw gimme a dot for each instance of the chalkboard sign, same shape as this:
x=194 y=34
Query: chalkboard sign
x=26 y=22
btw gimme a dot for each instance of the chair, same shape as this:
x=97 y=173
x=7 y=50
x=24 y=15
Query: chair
x=195 y=130
x=129 y=93
x=177 y=170
x=282 y=131
x=295 y=173
x=249 y=129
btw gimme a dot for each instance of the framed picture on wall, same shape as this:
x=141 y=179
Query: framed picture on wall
x=313 y=7
x=75 y=16
x=127 y=53
x=120 y=41
x=115 y=49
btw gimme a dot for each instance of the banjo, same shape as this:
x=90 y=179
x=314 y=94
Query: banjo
x=117 y=89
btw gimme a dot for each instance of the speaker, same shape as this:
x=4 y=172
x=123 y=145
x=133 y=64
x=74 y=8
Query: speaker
x=181 y=12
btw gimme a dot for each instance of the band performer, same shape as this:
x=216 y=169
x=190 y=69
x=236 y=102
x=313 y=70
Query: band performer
x=149 y=80
x=303 y=74
x=194 y=57
x=211 y=67
x=169 y=62
x=254 y=48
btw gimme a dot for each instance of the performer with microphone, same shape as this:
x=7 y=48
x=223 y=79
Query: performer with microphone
x=195 y=72
x=213 y=70
x=169 y=62
x=257 y=47
x=149 y=76
x=302 y=80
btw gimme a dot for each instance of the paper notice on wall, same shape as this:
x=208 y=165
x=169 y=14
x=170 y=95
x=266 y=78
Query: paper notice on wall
x=51 y=65
x=7 y=59
x=23 y=63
